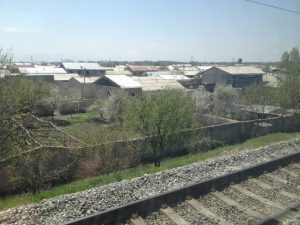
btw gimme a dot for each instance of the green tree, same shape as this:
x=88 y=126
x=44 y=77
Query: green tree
x=17 y=96
x=161 y=118
x=289 y=90
x=258 y=97
x=290 y=62
x=290 y=84
x=21 y=95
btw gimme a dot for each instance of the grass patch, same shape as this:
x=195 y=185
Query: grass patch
x=88 y=117
x=12 y=201
x=92 y=129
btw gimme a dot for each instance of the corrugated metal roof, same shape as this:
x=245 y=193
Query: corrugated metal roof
x=79 y=66
x=191 y=72
x=245 y=70
x=174 y=77
x=161 y=72
x=155 y=83
x=118 y=72
x=124 y=81
x=87 y=80
x=142 y=68
x=42 y=70
x=203 y=68
x=65 y=77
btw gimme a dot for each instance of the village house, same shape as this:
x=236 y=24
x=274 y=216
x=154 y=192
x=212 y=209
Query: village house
x=98 y=87
x=79 y=88
x=84 y=69
x=123 y=82
x=43 y=73
x=235 y=76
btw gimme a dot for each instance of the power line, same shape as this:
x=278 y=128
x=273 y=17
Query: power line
x=272 y=6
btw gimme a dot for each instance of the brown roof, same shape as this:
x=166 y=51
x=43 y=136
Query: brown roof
x=142 y=68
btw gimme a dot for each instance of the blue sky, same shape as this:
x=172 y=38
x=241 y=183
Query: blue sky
x=207 y=30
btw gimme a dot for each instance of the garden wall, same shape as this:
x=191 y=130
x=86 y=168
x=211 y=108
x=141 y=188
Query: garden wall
x=50 y=166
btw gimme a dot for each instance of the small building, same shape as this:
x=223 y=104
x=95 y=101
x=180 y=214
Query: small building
x=141 y=70
x=41 y=73
x=123 y=82
x=84 y=69
x=235 y=76
x=98 y=87
x=78 y=88
x=38 y=69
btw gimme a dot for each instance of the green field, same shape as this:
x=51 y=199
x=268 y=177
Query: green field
x=12 y=201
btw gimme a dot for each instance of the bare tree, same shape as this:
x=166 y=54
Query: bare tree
x=203 y=100
x=6 y=57
x=224 y=97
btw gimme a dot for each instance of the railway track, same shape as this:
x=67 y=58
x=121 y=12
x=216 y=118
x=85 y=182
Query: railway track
x=267 y=193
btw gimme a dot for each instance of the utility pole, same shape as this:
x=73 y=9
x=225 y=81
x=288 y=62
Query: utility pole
x=83 y=81
x=81 y=85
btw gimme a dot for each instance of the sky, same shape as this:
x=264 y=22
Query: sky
x=201 y=30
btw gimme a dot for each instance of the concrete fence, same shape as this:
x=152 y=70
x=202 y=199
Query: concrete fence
x=61 y=165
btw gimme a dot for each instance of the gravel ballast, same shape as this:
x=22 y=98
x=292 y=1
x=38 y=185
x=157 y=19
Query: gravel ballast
x=71 y=206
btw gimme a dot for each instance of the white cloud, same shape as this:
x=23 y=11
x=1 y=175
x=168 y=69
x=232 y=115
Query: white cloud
x=12 y=29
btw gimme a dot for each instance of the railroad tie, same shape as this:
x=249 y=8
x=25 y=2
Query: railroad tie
x=296 y=165
x=138 y=221
x=171 y=214
x=206 y=212
x=290 y=195
x=257 y=197
x=261 y=184
x=231 y=202
x=268 y=187
x=291 y=173
x=276 y=178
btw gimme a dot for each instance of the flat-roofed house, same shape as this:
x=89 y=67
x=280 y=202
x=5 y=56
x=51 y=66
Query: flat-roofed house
x=235 y=76
x=84 y=69
x=141 y=70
